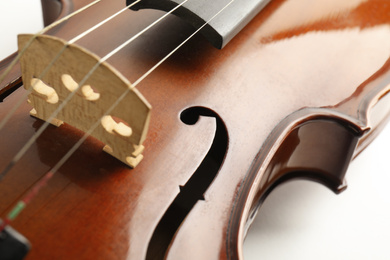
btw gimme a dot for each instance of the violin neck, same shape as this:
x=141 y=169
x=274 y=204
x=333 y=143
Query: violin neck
x=224 y=19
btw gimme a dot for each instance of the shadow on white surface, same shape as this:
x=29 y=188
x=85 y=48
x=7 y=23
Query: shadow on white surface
x=300 y=219
x=305 y=220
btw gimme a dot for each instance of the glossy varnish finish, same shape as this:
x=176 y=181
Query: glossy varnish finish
x=294 y=90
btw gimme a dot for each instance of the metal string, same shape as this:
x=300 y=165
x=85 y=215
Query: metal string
x=28 y=144
x=46 y=70
x=47 y=28
x=43 y=181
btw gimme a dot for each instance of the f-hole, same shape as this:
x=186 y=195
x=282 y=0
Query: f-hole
x=194 y=189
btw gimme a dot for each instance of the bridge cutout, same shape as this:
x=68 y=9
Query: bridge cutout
x=123 y=130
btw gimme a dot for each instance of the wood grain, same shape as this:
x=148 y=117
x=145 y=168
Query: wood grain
x=271 y=85
x=68 y=74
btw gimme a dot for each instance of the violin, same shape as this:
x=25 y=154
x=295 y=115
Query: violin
x=294 y=94
x=308 y=221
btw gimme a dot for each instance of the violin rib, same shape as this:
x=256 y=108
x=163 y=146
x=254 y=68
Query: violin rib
x=297 y=93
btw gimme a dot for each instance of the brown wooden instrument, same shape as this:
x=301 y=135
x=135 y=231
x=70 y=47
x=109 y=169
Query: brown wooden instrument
x=301 y=90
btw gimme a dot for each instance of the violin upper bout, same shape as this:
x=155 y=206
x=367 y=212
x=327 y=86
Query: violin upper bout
x=57 y=74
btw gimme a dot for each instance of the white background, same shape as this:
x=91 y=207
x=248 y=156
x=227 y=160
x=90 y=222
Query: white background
x=300 y=219
x=17 y=16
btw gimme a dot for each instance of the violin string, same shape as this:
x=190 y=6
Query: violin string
x=47 y=28
x=46 y=70
x=28 y=144
x=81 y=35
x=18 y=208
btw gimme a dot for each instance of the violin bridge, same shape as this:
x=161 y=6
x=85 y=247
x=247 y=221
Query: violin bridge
x=52 y=70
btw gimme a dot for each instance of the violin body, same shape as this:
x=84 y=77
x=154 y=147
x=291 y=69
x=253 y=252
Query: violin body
x=299 y=92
